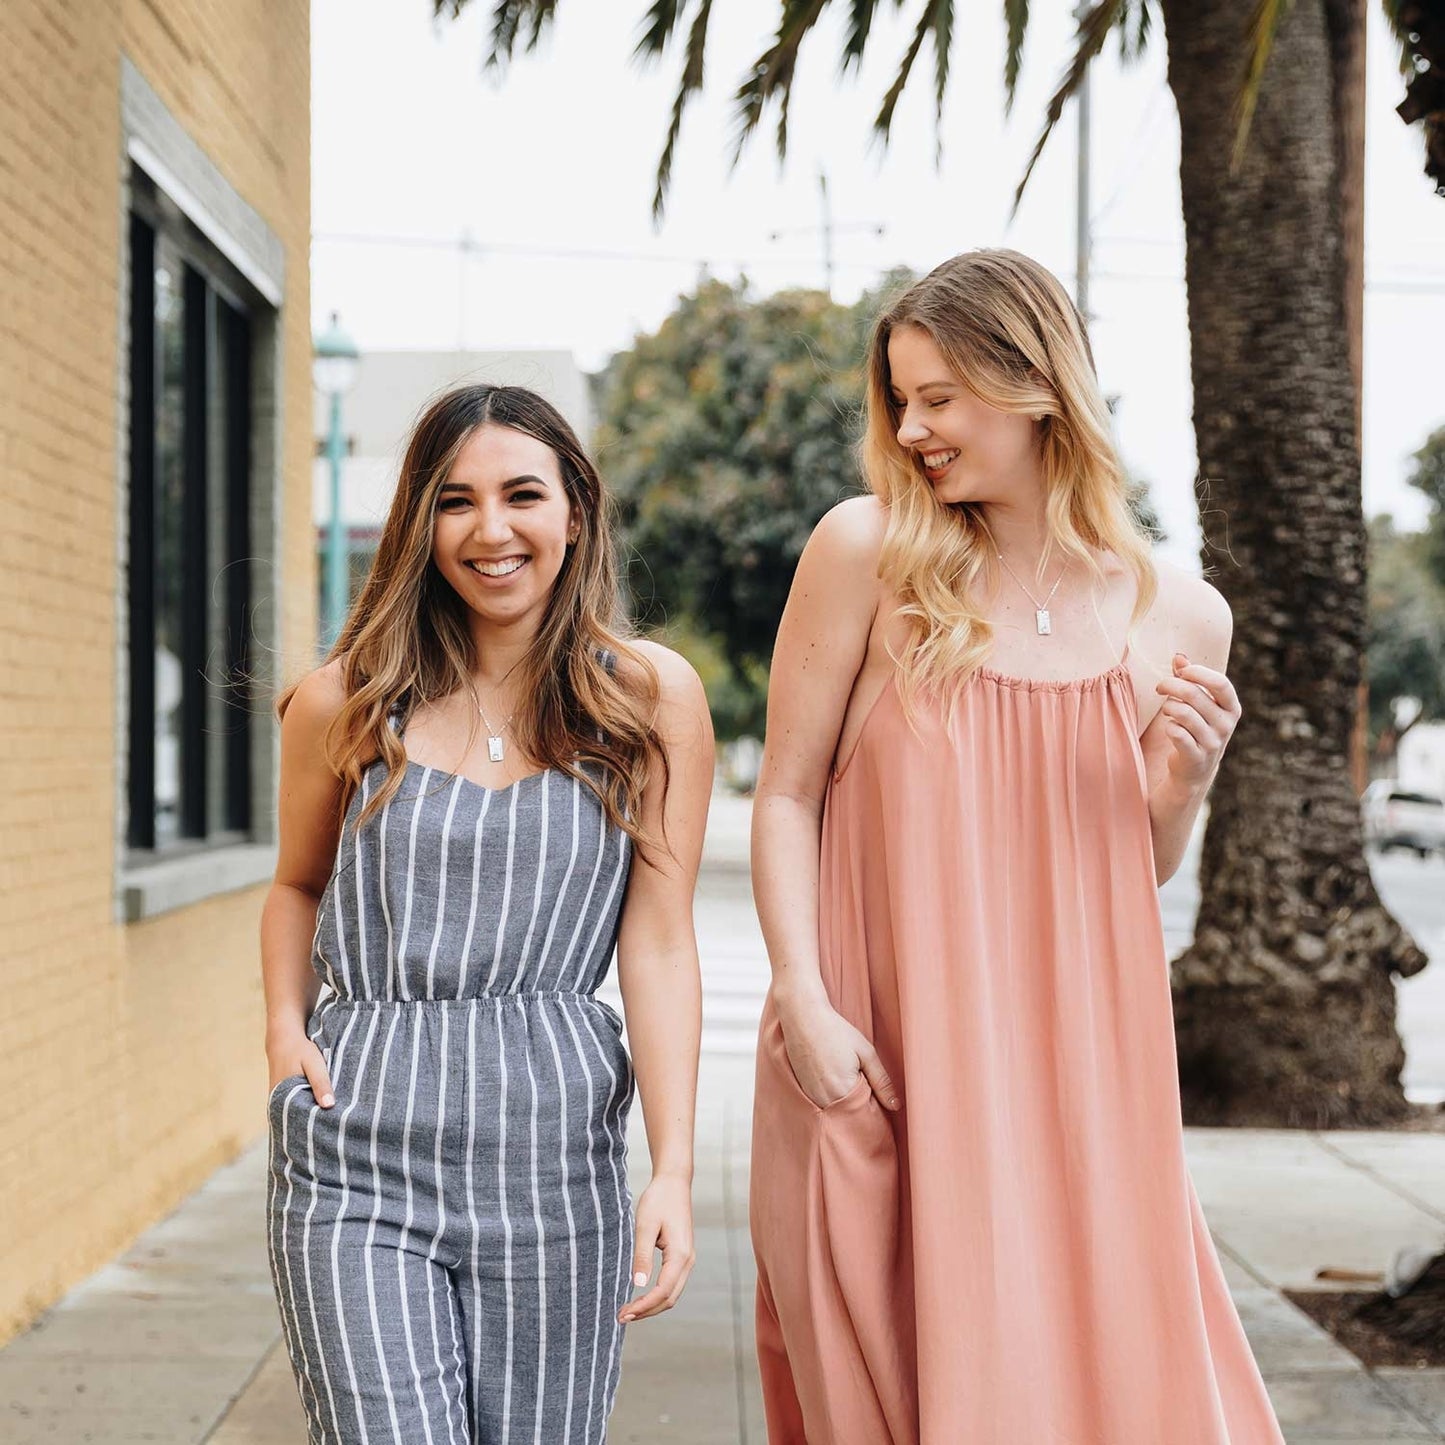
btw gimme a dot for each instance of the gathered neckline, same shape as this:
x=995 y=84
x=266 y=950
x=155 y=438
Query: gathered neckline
x=1001 y=679
x=1048 y=684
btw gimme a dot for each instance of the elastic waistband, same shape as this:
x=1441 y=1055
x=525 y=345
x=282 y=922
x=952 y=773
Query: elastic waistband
x=522 y=996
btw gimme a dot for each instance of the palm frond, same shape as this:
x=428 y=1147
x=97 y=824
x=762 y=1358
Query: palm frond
x=540 y=14
x=1093 y=30
x=662 y=19
x=1016 y=17
x=942 y=45
x=780 y=138
x=1400 y=29
x=510 y=19
x=860 y=25
x=772 y=74
x=1420 y=24
x=688 y=86
x=883 y=122
x=1134 y=25
x=1263 y=27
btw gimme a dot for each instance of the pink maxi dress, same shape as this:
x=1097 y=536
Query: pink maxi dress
x=1017 y=1257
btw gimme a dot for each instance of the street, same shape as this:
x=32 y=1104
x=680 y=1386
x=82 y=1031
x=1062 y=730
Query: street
x=1413 y=889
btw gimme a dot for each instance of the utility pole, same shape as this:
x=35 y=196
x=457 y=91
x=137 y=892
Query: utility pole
x=1081 y=216
x=465 y=246
x=828 y=230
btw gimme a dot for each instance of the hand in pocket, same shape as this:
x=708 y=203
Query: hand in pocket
x=827 y=1054
x=296 y=1056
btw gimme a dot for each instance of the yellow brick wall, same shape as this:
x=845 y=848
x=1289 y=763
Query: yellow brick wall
x=130 y=1056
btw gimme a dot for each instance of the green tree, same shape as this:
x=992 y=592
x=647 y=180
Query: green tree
x=1285 y=1000
x=726 y=435
x=1428 y=477
x=1406 y=637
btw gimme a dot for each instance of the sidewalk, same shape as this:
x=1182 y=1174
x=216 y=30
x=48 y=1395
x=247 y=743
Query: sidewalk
x=178 y=1342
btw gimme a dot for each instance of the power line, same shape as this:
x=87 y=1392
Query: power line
x=564 y=253
x=469 y=246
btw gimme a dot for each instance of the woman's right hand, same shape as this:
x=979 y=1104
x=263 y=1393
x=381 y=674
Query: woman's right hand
x=294 y=1053
x=827 y=1054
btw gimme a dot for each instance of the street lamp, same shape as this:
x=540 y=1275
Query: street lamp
x=333 y=372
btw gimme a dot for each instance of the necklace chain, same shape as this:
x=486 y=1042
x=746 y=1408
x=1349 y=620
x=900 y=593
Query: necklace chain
x=494 y=735
x=1042 y=620
x=487 y=721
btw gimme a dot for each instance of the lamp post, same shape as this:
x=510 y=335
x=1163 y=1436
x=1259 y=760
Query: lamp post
x=333 y=372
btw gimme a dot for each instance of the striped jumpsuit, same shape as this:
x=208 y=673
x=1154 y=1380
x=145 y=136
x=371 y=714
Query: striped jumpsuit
x=451 y=1241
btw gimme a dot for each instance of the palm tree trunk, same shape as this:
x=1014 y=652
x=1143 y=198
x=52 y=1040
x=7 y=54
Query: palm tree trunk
x=1345 y=26
x=1285 y=1001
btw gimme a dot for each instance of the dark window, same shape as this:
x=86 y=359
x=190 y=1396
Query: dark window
x=190 y=646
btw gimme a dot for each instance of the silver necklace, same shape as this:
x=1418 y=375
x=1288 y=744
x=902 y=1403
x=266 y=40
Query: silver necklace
x=494 y=735
x=1041 y=609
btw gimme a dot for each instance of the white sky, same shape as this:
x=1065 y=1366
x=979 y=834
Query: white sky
x=550 y=174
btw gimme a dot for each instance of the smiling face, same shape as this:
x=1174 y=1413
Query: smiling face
x=969 y=451
x=503 y=524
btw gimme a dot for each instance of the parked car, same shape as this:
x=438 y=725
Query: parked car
x=1397 y=817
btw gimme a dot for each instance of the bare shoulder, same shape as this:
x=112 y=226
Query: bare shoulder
x=678 y=682
x=1198 y=618
x=318 y=697
x=850 y=535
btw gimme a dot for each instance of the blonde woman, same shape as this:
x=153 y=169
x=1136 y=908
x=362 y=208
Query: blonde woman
x=992 y=721
x=452 y=1242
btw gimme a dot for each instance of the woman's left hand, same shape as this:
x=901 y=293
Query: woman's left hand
x=664 y=1221
x=1202 y=710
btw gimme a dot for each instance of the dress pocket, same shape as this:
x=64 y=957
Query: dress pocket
x=279 y=1090
x=772 y=1044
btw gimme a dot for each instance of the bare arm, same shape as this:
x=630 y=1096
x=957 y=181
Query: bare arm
x=307 y=823
x=821 y=646
x=657 y=969
x=1182 y=746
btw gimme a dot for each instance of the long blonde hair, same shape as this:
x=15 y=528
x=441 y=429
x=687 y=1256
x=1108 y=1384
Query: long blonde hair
x=1014 y=338
x=406 y=641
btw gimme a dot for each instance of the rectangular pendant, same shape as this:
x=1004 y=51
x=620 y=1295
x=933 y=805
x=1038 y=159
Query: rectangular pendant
x=494 y=749
x=1045 y=625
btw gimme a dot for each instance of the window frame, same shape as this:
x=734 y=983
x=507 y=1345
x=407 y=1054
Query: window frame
x=169 y=184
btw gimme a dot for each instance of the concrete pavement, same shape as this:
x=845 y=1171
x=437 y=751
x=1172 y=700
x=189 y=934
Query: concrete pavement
x=178 y=1341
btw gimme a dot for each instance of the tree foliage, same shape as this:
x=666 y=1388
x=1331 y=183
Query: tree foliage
x=726 y=435
x=1405 y=640
x=1428 y=477
x=1406 y=637
x=768 y=81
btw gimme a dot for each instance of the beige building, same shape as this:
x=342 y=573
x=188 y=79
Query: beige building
x=157 y=551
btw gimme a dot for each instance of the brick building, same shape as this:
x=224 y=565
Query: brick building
x=156 y=582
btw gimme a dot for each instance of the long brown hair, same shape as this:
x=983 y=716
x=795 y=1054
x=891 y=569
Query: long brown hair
x=406 y=641
x=1012 y=335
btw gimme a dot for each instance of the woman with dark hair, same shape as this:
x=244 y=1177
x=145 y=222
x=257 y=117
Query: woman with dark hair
x=451 y=1235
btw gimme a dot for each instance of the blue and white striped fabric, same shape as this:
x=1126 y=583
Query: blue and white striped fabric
x=451 y=1241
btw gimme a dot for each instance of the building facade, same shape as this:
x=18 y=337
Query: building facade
x=157 y=578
